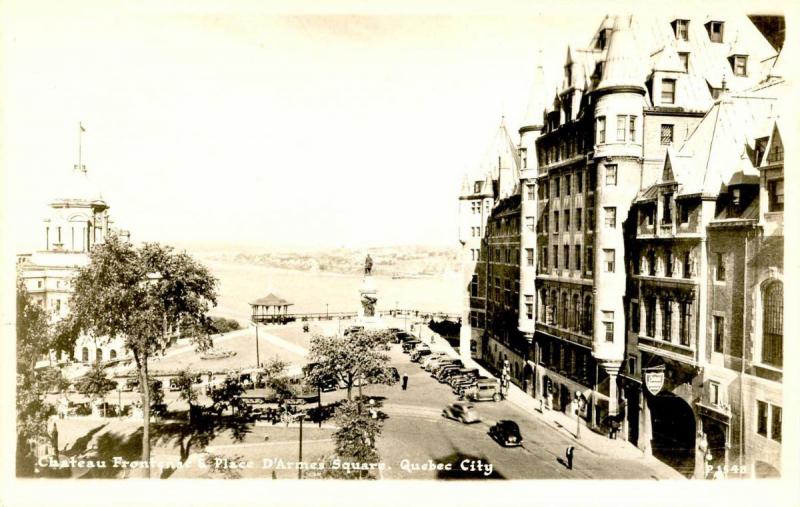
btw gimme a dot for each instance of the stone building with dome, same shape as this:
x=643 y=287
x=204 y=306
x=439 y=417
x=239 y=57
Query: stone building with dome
x=77 y=219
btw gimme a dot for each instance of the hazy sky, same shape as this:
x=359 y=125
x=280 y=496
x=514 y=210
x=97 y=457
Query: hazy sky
x=250 y=126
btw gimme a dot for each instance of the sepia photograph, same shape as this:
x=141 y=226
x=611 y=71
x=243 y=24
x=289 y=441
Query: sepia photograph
x=449 y=245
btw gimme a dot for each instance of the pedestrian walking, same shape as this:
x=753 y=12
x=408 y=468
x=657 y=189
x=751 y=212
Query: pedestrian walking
x=405 y=381
x=570 y=455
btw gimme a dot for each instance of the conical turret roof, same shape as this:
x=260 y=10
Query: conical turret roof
x=534 y=115
x=623 y=65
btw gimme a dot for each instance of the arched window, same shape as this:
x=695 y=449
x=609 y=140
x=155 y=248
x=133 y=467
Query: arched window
x=587 y=315
x=554 y=295
x=772 y=325
x=113 y=354
x=85 y=355
x=576 y=311
x=99 y=355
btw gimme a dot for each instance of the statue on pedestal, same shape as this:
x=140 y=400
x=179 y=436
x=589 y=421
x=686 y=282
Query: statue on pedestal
x=368 y=265
x=368 y=302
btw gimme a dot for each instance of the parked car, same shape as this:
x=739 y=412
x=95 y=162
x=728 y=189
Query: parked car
x=435 y=362
x=461 y=375
x=463 y=412
x=353 y=329
x=445 y=376
x=409 y=345
x=465 y=383
x=484 y=390
x=456 y=363
x=421 y=346
x=417 y=355
x=404 y=336
x=445 y=371
x=433 y=355
x=506 y=433
x=328 y=385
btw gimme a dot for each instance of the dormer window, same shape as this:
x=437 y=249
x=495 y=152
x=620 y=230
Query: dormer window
x=739 y=64
x=681 y=27
x=667 y=91
x=478 y=187
x=715 y=29
x=602 y=38
x=736 y=197
x=684 y=58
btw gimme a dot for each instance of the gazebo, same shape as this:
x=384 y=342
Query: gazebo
x=270 y=309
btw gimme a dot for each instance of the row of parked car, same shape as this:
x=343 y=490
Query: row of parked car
x=467 y=383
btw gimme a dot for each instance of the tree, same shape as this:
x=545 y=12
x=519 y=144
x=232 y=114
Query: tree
x=142 y=295
x=95 y=384
x=223 y=325
x=34 y=337
x=227 y=395
x=358 y=357
x=184 y=381
x=356 y=437
x=275 y=379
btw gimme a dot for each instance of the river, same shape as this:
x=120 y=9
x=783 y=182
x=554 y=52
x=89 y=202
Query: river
x=311 y=291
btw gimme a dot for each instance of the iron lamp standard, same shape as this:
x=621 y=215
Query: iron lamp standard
x=300 y=417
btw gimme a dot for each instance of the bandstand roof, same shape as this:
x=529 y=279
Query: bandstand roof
x=271 y=300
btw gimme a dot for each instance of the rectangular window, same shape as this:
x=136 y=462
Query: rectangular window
x=632 y=129
x=529 y=307
x=557 y=188
x=578 y=219
x=579 y=182
x=578 y=257
x=530 y=223
x=566 y=256
x=685 y=318
x=567 y=184
x=650 y=316
x=777 y=423
x=544 y=257
x=478 y=187
x=649 y=213
x=684 y=207
x=473 y=286
x=610 y=217
x=546 y=222
x=720 y=267
x=566 y=220
x=590 y=219
x=608 y=323
x=555 y=258
x=555 y=221
x=682 y=29
x=634 y=320
x=740 y=65
x=666 y=320
x=621 y=121
x=667 y=91
x=684 y=58
x=713 y=393
x=608 y=260
x=589 y=259
x=667 y=209
x=775 y=195
x=762 y=415
x=666 y=134
x=687 y=264
x=715 y=31
x=611 y=174
x=601 y=129
x=529 y=256
x=719 y=333
x=531 y=192
x=668 y=262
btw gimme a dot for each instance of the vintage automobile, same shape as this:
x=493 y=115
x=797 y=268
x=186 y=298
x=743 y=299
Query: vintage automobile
x=463 y=412
x=484 y=390
x=506 y=433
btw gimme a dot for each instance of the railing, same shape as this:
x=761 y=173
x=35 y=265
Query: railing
x=304 y=317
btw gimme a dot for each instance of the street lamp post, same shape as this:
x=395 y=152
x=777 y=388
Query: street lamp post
x=258 y=359
x=300 y=450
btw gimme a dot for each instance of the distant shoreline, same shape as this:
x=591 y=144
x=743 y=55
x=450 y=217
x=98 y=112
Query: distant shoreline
x=379 y=274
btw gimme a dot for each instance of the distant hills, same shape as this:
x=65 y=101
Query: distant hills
x=399 y=261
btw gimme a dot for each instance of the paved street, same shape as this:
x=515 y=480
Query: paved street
x=416 y=431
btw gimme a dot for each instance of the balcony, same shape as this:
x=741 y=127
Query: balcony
x=675 y=351
x=666 y=230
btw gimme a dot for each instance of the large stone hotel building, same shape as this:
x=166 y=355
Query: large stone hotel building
x=628 y=250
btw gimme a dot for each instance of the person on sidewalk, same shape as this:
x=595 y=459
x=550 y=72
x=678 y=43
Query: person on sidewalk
x=405 y=381
x=570 y=455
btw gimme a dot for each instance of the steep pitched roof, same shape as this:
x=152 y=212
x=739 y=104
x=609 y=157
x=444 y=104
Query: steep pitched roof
x=623 y=65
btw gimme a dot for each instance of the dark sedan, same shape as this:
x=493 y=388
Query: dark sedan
x=506 y=433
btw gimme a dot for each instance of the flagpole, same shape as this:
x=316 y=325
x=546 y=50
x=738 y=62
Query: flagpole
x=80 y=145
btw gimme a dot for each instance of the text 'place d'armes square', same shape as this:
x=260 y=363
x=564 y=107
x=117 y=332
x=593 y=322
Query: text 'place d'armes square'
x=612 y=307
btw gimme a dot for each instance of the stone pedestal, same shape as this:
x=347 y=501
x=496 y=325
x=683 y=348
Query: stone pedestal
x=368 y=305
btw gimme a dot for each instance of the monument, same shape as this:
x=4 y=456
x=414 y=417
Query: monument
x=367 y=315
